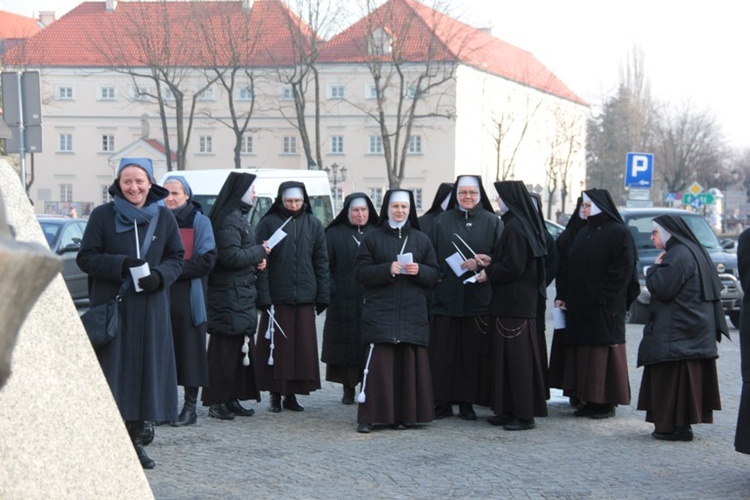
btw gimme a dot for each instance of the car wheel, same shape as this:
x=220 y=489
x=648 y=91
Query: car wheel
x=638 y=313
x=734 y=317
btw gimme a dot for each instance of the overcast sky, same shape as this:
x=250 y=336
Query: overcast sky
x=695 y=51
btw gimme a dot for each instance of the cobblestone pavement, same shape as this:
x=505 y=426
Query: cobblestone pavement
x=318 y=453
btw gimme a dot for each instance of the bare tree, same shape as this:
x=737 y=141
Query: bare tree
x=160 y=52
x=230 y=41
x=508 y=132
x=689 y=145
x=411 y=83
x=564 y=148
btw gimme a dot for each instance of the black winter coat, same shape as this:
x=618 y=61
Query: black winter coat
x=600 y=267
x=682 y=324
x=139 y=362
x=232 y=283
x=481 y=230
x=395 y=308
x=742 y=437
x=341 y=338
x=297 y=271
x=514 y=274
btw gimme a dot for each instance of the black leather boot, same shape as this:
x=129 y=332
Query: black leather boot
x=147 y=433
x=348 y=398
x=291 y=403
x=188 y=415
x=275 y=406
x=135 y=429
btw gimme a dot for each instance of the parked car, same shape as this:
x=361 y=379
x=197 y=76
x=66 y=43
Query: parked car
x=638 y=221
x=64 y=236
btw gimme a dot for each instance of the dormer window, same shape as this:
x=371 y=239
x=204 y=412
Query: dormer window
x=380 y=43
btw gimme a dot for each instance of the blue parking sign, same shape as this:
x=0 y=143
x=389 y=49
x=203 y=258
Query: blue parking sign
x=639 y=170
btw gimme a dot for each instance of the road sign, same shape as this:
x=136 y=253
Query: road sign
x=639 y=170
x=670 y=197
x=697 y=200
x=695 y=188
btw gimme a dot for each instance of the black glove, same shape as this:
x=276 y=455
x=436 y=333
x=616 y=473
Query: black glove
x=150 y=282
x=130 y=262
x=320 y=307
x=263 y=307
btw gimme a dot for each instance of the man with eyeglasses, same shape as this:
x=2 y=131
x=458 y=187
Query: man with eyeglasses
x=465 y=235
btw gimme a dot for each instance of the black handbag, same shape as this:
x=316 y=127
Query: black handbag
x=102 y=322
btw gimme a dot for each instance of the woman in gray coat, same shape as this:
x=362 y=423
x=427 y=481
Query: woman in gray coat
x=680 y=385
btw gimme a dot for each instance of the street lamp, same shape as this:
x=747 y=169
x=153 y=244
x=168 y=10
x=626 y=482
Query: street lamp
x=335 y=170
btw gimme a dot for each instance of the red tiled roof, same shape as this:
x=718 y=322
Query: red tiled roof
x=160 y=147
x=421 y=34
x=137 y=33
x=13 y=26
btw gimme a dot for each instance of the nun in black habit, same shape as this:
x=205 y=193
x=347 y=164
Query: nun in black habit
x=600 y=270
x=294 y=287
x=232 y=316
x=343 y=352
x=517 y=392
x=680 y=385
x=397 y=267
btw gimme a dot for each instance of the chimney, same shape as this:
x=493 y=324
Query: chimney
x=111 y=5
x=46 y=17
x=247 y=5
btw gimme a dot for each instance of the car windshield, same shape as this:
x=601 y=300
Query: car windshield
x=50 y=230
x=640 y=228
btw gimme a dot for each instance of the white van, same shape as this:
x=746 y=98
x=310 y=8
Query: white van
x=206 y=185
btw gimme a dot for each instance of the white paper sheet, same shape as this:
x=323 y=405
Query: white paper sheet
x=403 y=259
x=558 y=318
x=138 y=273
x=454 y=261
x=275 y=238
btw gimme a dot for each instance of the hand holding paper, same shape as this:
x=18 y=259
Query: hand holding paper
x=403 y=259
x=278 y=235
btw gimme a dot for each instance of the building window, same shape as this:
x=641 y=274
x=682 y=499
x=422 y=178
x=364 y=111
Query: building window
x=66 y=193
x=371 y=91
x=246 y=146
x=290 y=145
x=245 y=94
x=140 y=92
x=205 y=144
x=415 y=144
x=337 y=144
x=107 y=93
x=376 y=195
x=338 y=196
x=65 y=143
x=64 y=93
x=336 y=92
x=376 y=145
x=108 y=143
x=287 y=94
x=418 y=198
x=207 y=94
x=167 y=94
x=104 y=190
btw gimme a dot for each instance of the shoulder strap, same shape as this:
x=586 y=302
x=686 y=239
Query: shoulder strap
x=149 y=234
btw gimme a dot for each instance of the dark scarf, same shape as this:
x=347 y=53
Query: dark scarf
x=127 y=214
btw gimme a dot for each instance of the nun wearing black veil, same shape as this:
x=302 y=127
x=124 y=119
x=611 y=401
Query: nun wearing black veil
x=232 y=316
x=680 y=385
x=517 y=390
x=599 y=272
x=343 y=352
x=396 y=265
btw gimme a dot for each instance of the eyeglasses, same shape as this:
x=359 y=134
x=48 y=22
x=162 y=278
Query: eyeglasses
x=654 y=232
x=473 y=194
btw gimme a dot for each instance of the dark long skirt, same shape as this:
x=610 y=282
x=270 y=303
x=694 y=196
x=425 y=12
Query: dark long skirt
x=742 y=435
x=295 y=368
x=679 y=393
x=228 y=378
x=189 y=340
x=557 y=359
x=597 y=374
x=460 y=359
x=516 y=378
x=348 y=376
x=398 y=388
